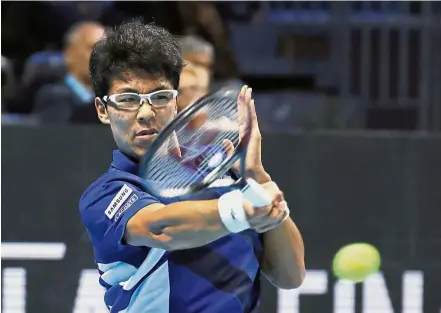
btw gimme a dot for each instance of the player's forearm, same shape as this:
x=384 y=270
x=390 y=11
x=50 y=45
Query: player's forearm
x=180 y=225
x=283 y=259
x=259 y=175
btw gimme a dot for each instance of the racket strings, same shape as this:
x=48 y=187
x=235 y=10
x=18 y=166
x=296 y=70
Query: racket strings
x=205 y=164
x=193 y=175
x=167 y=166
x=174 y=174
x=220 y=109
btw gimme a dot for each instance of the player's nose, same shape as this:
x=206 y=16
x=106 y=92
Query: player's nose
x=146 y=112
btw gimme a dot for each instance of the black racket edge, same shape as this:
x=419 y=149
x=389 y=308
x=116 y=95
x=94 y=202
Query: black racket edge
x=222 y=168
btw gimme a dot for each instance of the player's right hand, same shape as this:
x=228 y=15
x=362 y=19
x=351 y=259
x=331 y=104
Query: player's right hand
x=263 y=219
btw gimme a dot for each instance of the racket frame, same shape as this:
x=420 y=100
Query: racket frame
x=239 y=151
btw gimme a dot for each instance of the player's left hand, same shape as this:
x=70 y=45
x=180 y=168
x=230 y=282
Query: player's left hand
x=254 y=166
x=278 y=210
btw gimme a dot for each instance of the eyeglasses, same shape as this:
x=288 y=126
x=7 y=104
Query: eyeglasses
x=132 y=101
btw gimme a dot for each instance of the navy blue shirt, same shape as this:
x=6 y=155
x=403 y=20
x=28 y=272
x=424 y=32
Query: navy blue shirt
x=222 y=276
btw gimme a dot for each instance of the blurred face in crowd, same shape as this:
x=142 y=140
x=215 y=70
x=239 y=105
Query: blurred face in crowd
x=203 y=63
x=191 y=87
x=135 y=128
x=201 y=59
x=78 y=50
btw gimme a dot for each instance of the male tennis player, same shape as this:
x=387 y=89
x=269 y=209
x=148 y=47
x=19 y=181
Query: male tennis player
x=173 y=257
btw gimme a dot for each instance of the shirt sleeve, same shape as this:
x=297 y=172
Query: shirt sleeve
x=105 y=211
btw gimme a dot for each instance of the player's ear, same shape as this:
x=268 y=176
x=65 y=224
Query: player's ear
x=101 y=110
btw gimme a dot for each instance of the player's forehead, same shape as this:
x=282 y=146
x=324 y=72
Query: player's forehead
x=140 y=83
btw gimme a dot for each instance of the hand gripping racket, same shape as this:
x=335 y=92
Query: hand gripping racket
x=189 y=154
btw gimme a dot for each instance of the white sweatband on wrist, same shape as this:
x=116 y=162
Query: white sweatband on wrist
x=231 y=211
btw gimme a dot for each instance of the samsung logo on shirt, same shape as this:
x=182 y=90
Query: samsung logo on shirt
x=118 y=200
x=126 y=206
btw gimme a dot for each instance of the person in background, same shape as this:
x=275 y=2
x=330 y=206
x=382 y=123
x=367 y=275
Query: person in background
x=202 y=18
x=7 y=81
x=70 y=99
x=197 y=51
x=200 y=54
x=191 y=87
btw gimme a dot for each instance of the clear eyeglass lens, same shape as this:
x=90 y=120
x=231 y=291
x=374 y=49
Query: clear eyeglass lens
x=127 y=100
x=158 y=99
x=162 y=98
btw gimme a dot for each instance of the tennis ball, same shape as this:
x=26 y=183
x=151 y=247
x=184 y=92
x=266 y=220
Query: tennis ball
x=356 y=261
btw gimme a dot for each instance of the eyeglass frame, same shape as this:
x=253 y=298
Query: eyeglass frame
x=142 y=96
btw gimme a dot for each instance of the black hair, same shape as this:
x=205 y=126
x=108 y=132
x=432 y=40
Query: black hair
x=137 y=48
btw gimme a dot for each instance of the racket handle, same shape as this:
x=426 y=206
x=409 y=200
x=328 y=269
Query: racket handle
x=256 y=194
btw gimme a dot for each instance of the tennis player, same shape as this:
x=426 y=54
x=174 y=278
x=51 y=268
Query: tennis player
x=173 y=257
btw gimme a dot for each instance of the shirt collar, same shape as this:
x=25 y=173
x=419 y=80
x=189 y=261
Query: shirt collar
x=124 y=163
x=79 y=89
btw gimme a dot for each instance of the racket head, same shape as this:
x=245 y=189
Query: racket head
x=190 y=154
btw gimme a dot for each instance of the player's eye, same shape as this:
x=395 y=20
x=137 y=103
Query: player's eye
x=127 y=99
x=162 y=98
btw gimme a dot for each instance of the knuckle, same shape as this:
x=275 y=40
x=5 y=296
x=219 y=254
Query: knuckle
x=275 y=214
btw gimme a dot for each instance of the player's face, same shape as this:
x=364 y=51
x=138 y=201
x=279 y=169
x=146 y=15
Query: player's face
x=134 y=130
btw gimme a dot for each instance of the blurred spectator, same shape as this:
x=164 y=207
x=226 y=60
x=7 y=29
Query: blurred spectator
x=8 y=82
x=199 y=53
x=29 y=27
x=33 y=34
x=71 y=99
x=191 y=87
x=9 y=88
x=40 y=69
x=203 y=18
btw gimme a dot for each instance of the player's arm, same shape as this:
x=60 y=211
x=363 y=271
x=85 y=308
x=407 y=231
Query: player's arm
x=283 y=256
x=283 y=252
x=180 y=225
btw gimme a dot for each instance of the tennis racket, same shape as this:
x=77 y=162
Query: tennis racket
x=190 y=155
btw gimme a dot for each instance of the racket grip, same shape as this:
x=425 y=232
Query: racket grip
x=256 y=194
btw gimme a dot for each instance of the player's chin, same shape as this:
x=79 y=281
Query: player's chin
x=140 y=147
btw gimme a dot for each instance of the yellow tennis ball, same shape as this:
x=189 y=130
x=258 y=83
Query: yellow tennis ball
x=356 y=261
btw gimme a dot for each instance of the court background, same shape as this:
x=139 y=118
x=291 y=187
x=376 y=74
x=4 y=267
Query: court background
x=349 y=104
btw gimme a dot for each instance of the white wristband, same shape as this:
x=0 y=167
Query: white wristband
x=231 y=211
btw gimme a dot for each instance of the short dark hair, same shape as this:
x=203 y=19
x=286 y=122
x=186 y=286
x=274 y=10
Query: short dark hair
x=137 y=48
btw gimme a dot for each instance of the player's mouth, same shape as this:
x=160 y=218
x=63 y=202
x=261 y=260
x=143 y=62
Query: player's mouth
x=146 y=134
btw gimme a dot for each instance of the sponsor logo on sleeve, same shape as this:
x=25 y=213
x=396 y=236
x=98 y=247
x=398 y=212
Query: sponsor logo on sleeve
x=118 y=201
x=128 y=204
